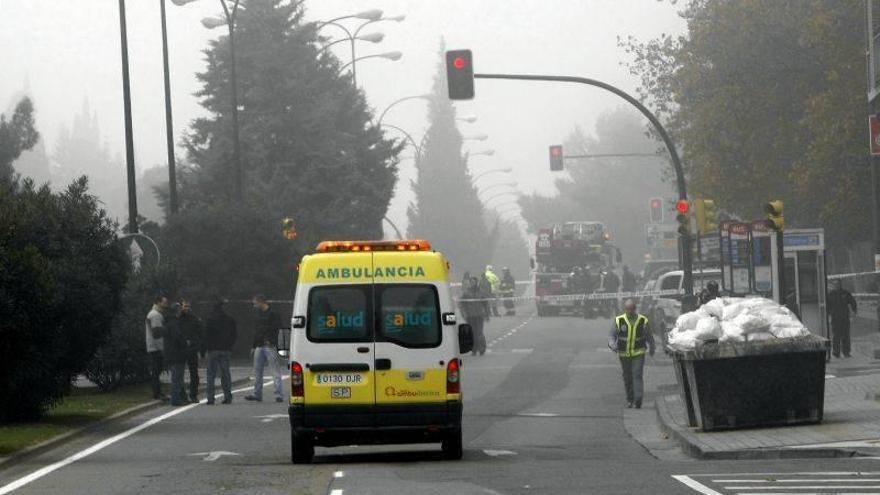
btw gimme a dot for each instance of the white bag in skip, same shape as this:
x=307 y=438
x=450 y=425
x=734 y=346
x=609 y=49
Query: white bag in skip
x=751 y=323
x=708 y=328
x=687 y=321
x=731 y=332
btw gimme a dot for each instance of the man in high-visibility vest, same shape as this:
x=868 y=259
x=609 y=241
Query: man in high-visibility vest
x=631 y=338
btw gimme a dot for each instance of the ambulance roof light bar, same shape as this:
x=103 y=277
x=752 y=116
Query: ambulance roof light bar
x=366 y=246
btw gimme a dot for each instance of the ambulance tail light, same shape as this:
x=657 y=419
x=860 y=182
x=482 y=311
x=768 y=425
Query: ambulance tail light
x=453 y=383
x=367 y=246
x=297 y=381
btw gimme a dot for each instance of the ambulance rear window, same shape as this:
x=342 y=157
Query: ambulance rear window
x=340 y=314
x=409 y=315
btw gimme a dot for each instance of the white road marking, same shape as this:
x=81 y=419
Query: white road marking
x=827 y=377
x=268 y=418
x=694 y=484
x=496 y=453
x=338 y=474
x=214 y=455
x=337 y=491
x=522 y=351
x=512 y=331
x=15 y=485
x=539 y=415
x=809 y=487
x=812 y=480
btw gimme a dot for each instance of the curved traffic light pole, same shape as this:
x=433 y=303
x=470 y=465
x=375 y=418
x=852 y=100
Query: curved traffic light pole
x=686 y=255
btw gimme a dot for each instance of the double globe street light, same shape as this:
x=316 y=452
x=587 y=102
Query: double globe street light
x=353 y=35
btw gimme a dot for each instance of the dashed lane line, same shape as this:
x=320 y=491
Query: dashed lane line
x=512 y=331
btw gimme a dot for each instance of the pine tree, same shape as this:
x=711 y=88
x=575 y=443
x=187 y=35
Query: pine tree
x=79 y=151
x=446 y=210
x=309 y=151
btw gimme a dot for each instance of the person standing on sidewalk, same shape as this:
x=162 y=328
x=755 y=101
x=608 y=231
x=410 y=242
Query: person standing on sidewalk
x=265 y=335
x=220 y=337
x=631 y=337
x=191 y=328
x=175 y=353
x=840 y=301
x=154 y=326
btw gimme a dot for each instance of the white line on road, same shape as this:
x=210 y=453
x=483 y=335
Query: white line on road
x=522 y=351
x=694 y=484
x=810 y=480
x=15 y=485
x=807 y=493
x=496 y=453
x=337 y=491
x=338 y=474
x=213 y=455
x=539 y=415
x=809 y=487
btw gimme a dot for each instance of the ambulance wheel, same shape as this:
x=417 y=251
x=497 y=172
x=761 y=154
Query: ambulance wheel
x=302 y=448
x=452 y=445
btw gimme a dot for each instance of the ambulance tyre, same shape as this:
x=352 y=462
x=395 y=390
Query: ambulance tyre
x=452 y=445
x=302 y=448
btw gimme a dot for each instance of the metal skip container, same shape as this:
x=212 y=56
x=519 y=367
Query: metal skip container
x=753 y=384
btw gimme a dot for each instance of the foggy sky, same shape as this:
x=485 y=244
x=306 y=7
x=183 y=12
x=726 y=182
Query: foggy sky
x=65 y=51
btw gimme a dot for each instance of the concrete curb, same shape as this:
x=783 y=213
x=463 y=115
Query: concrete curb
x=691 y=445
x=59 y=440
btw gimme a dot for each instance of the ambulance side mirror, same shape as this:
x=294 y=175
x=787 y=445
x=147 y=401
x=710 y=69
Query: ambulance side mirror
x=465 y=338
x=283 y=342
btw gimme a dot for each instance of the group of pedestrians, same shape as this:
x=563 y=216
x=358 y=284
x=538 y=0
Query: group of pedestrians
x=479 y=301
x=176 y=339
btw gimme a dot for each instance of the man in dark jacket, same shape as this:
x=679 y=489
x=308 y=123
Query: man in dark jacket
x=474 y=312
x=220 y=337
x=629 y=280
x=265 y=339
x=840 y=301
x=191 y=328
x=175 y=355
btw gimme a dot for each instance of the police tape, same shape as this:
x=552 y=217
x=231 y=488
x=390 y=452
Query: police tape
x=839 y=276
x=597 y=296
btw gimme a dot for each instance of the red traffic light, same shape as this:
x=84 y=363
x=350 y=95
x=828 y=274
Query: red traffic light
x=459 y=63
x=682 y=206
x=556 y=150
x=656 y=203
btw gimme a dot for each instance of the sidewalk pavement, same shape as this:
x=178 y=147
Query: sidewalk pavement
x=851 y=424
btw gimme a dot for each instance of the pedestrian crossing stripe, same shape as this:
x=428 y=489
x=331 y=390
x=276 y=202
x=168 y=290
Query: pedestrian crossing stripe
x=802 y=483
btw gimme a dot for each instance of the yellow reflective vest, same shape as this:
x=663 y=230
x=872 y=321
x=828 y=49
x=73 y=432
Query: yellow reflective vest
x=631 y=338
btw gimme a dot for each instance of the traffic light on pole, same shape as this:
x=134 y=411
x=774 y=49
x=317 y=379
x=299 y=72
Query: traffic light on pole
x=556 y=158
x=707 y=216
x=460 y=74
x=656 y=206
x=775 y=218
x=684 y=218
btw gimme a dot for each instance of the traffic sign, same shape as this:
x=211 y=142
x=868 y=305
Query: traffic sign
x=874 y=131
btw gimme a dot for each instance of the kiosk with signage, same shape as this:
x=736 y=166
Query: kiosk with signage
x=750 y=262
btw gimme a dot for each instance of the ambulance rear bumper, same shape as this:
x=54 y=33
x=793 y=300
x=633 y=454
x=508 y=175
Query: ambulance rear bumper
x=376 y=424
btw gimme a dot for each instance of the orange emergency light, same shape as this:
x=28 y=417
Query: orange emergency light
x=366 y=246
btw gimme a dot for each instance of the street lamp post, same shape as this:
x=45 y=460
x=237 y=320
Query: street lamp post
x=495 y=186
x=229 y=22
x=129 y=133
x=501 y=194
x=393 y=56
x=503 y=170
x=370 y=17
x=412 y=142
x=169 y=131
x=397 y=101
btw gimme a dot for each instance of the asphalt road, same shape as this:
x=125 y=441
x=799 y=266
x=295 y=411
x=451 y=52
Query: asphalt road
x=543 y=414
